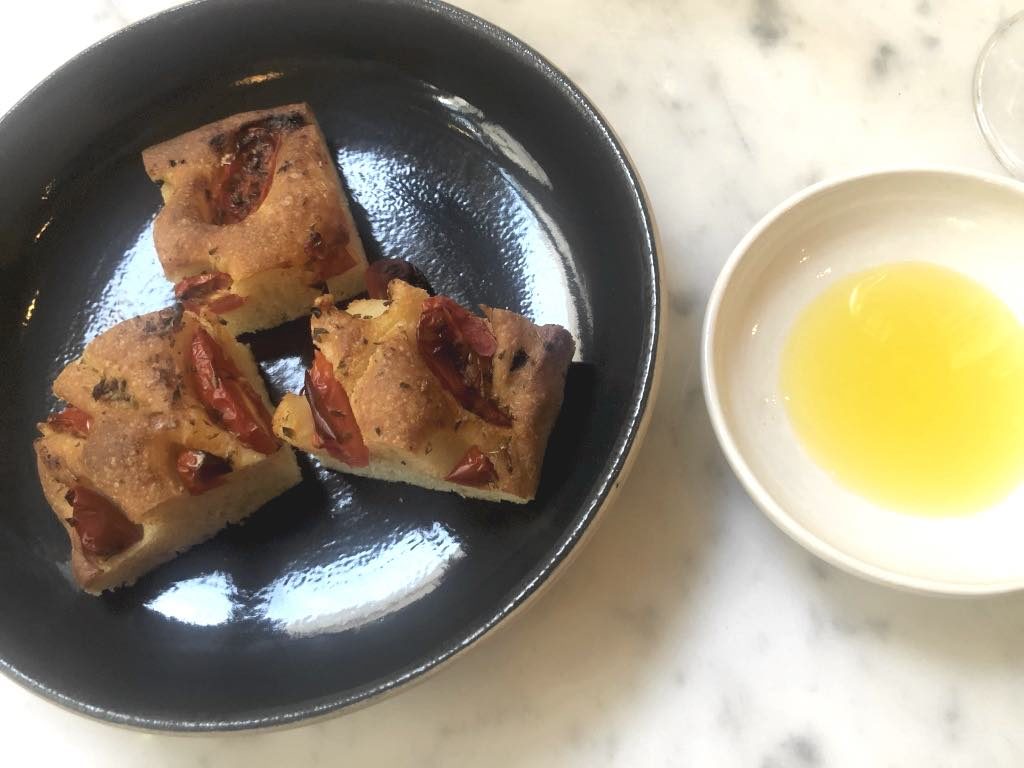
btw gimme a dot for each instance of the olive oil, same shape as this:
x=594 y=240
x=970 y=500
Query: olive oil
x=906 y=383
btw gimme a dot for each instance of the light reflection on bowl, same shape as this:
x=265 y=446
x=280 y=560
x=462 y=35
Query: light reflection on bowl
x=534 y=246
x=205 y=601
x=137 y=286
x=352 y=591
x=361 y=587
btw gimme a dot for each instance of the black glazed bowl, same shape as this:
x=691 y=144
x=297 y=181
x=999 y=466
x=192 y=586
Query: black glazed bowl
x=465 y=152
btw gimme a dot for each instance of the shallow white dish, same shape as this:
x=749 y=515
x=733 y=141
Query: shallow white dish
x=970 y=222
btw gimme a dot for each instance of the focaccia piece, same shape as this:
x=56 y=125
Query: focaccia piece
x=255 y=220
x=166 y=439
x=420 y=390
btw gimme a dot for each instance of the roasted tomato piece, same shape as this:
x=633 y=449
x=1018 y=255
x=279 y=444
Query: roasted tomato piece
x=71 y=419
x=228 y=396
x=335 y=425
x=203 y=284
x=473 y=469
x=244 y=182
x=221 y=304
x=328 y=259
x=457 y=347
x=382 y=272
x=208 y=290
x=200 y=471
x=101 y=526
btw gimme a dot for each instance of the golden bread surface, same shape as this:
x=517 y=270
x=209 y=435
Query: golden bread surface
x=414 y=428
x=133 y=382
x=273 y=253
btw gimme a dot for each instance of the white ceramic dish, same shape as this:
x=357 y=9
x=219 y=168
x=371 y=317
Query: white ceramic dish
x=970 y=222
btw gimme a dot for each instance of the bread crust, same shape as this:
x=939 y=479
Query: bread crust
x=414 y=428
x=304 y=215
x=133 y=382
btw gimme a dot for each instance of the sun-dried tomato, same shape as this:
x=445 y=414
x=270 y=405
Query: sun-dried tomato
x=473 y=469
x=335 y=425
x=101 y=527
x=243 y=183
x=203 y=284
x=228 y=396
x=71 y=419
x=221 y=304
x=328 y=259
x=200 y=471
x=457 y=346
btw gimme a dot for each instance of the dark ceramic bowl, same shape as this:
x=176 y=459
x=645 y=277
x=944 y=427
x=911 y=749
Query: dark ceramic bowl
x=465 y=152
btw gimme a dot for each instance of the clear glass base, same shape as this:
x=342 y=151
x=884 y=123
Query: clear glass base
x=999 y=94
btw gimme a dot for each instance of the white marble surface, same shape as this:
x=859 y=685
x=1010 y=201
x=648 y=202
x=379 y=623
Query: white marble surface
x=690 y=631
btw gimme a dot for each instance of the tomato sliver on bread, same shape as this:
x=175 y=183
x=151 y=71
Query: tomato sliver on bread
x=200 y=471
x=457 y=347
x=228 y=396
x=72 y=420
x=474 y=468
x=336 y=429
x=101 y=527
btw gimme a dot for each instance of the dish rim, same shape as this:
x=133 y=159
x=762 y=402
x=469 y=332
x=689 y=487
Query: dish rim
x=623 y=452
x=764 y=500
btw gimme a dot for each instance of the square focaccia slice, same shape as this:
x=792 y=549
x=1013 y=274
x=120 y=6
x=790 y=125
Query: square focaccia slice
x=165 y=439
x=417 y=389
x=255 y=220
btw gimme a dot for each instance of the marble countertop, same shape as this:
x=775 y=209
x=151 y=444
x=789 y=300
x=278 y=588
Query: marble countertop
x=690 y=631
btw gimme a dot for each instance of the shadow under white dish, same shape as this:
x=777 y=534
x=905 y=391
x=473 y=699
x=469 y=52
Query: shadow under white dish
x=970 y=223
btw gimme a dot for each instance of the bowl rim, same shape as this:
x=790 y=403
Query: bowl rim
x=622 y=454
x=748 y=478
